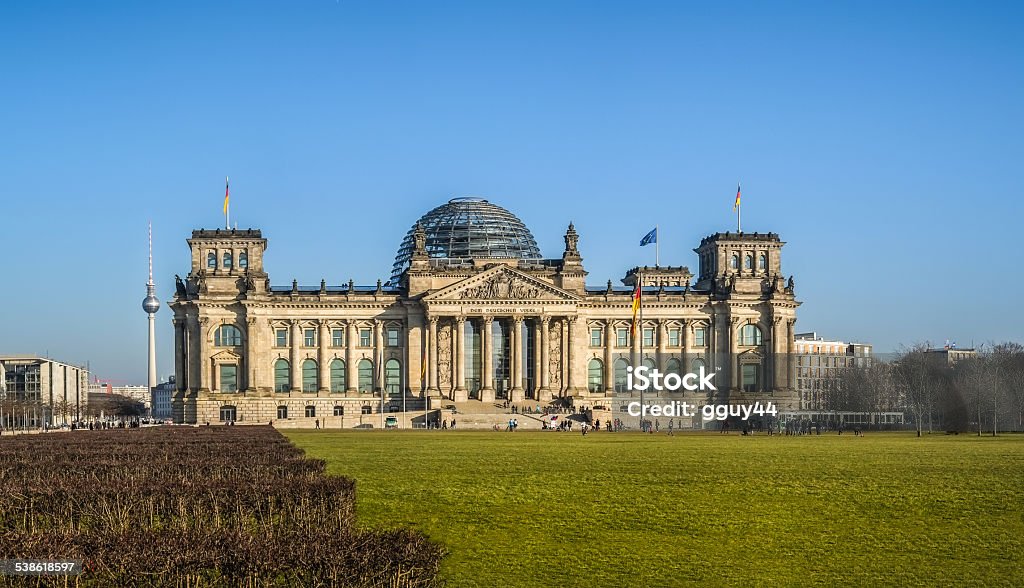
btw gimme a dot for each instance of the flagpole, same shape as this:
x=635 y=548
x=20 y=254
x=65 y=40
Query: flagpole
x=657 y=257
x=640 y=360
x=380 y=381
x=423 y=377
x=739 y=206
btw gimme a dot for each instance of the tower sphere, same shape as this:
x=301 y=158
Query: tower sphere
x=150 y=303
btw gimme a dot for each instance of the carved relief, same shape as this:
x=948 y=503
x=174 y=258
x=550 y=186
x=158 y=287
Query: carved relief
x=555 y=353
x=444 y=356
x=502 y=286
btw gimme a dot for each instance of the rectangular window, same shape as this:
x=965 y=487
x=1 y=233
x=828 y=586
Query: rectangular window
x=338 y=337
x=309 y=337
x=673 y=338
x=392 y=337
x=596 y=337
x=282 y=412
x=750 y=383
x=622 y=337
x=281 y=338
x=648 y=337
x=310 y=411
x=364 y=337
x=700 y=337
x=228 y=378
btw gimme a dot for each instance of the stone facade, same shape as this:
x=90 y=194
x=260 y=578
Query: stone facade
x=247 y=351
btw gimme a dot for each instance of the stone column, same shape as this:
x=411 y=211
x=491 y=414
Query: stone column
x=790 y=354
x=635 y=339
x=181 y=373
x=570 y=356
x=518 y=395
x=687 y=340
x=432 y=388
x=487 y=388
x=459 y=334
x=191 y=352
x=544 y=393
x=181 y=379
x=712 y=343
x=378 y=356
x=535 y=325
x=325 y=374
x=662 y=340
x=775 y=374
x=294 y=338
x=351 y=373
x=195 y=360
x=734 y=364
x=250 y=363
x=609 y=363
x=199 y=351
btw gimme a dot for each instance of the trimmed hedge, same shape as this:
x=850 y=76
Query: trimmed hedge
x=184 y=506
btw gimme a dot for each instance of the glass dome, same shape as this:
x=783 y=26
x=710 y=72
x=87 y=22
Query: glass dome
x=469 y=228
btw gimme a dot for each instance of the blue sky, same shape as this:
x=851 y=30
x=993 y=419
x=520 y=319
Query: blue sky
x=882 y=141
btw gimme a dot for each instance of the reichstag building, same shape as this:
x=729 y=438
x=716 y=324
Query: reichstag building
x=472 y=313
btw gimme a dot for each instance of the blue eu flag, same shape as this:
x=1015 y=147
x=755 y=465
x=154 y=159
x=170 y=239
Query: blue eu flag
x=649 y=238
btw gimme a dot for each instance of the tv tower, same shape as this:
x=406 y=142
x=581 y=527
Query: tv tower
x=150 y=304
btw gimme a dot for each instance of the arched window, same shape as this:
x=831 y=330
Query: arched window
x=338 y=375
x=649 y=363
x=365 y=375
x=393 y=377
x=227 y=336
x=595 y=375
x=697 y=364
x=211 y=260
x=750 y=335
x=748 y=262
x=309 y=375
x=735 y=262
x=672 y=366
x=620 y=374
x=762 y=262
x=227 y=260
x=282 y=376
x=243 y=260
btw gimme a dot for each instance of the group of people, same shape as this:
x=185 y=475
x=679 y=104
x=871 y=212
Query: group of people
x=512 y=425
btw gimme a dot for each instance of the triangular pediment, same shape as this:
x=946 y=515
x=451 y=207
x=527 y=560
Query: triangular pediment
x=751 y=354
x=225 y=355
x=502 y=283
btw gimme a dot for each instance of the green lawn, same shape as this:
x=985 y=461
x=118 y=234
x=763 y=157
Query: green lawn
x=618 y=509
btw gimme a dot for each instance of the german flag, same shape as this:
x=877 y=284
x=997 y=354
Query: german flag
x=637 y=294
x=736 y=204
x=227 y=192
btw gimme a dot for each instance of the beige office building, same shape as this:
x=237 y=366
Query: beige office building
x=38 y=390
